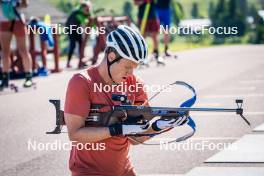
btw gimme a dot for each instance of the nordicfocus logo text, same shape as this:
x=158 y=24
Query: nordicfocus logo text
x=59 y=29
x=124 y=87
x=199 y=145
x=34 y=145
x=199 y=30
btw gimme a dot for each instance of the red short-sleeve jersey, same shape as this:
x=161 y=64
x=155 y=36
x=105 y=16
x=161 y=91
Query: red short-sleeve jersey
x=81 y=93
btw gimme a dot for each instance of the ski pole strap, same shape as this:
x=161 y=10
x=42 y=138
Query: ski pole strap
x=188 y=103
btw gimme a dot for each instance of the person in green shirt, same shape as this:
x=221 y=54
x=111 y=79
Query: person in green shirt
x=77 y=19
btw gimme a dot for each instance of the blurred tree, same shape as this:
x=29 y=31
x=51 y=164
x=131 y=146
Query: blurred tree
x=220 y=8
x=195 y=10
x=218 y=18
x=67 y=6
x=232 y=8
x=127 y=9
x=237 y=15
x=231 y=13
x=259 y=30
x=262 y=3
x=177 y=12
x=211 y=9
x=243 y=7
x=252 y=11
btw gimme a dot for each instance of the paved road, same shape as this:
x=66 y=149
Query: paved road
x=219 y=74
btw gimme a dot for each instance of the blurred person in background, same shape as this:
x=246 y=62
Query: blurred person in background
x=13 y=23
x=46 y=41
x=164 y=13
x=78 y=18
x=152 y=24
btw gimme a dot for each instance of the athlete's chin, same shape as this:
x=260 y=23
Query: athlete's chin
x=122 y=79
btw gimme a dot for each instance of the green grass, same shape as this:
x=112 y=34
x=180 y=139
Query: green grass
x=117 y=6
x=203 y=6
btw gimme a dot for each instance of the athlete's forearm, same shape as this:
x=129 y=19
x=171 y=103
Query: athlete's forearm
x=138 y=140
x=79 y=133
x=90 y=134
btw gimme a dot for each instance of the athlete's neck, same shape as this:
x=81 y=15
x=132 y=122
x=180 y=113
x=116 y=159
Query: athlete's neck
x=103 y=72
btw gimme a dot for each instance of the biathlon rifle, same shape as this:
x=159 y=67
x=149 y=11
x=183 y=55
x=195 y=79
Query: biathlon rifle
x=126 y=113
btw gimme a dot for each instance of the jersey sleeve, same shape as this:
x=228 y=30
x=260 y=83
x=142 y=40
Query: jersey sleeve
x=77 y=101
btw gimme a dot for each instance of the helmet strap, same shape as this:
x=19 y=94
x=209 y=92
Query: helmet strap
x=109 y=64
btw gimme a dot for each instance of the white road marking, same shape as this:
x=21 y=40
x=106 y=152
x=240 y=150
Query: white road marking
x=259 y=128
x=252 y=88
x=248 y=149
x=220 y=171
x=235 y=96
x=254 y=81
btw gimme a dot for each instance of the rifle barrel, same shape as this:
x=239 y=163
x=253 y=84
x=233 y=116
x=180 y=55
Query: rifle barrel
x=129 y=107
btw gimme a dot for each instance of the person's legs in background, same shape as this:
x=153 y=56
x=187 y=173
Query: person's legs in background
x=154 y=37
x=20 y=33
x=152 y=28
x=72 y=44
x=166 y=43
x=73 y=39
x=26 y=59
x=5 y=41
x=81 y=48
x=165 y=20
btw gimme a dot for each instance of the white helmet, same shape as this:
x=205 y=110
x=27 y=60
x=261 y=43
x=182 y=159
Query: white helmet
x=128 y=43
